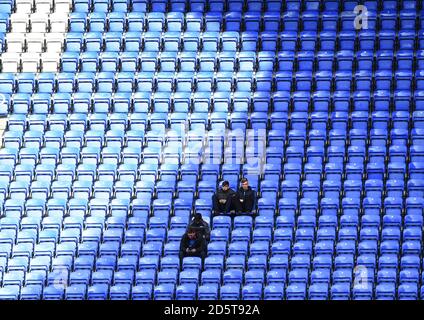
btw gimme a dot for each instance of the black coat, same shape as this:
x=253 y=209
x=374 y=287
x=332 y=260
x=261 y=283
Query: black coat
x=224 y=195
x=248 y=198
x=199 y=245
x=203 y=228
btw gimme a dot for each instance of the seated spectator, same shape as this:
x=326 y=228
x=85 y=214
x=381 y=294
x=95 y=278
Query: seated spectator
x=223 y=199
x=192 y=245
x=201 y=226
x=245 y=199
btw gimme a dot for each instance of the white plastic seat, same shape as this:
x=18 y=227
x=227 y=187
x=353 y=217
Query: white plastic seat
x=10 y=62
x=15 y=42
x=39 y=22
x=30 y=62
x=57 y=23
x=24 y=6
x=35 y=42
x=19 y=22
x=63 y=6
x=54 y=42
x=50 y=62
x=43 y=6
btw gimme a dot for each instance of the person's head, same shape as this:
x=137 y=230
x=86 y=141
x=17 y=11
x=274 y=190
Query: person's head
x=244 y=183
x=198 y=218
x=225 y=185
x=191 y=233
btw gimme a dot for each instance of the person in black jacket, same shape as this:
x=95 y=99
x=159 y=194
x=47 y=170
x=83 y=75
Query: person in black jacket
x=223 y=199
x=245 y=199
x=201 y=226
x=192 y=245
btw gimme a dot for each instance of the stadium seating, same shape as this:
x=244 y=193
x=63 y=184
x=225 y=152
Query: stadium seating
x=123 y=116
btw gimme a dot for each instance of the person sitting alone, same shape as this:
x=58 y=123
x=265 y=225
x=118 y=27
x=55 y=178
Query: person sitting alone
x=192 y=245
x=245 y=199
x=223 y=200
x=201 y=226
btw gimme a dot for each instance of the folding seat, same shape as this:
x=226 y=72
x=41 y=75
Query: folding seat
x=363 y=80
x=208 y=292
x=408 y=291
x=189 y=277
x=224 y=81
x=412 y=220
x=403 y=79
x=141 y=101
x=415 y=136
x=230 y=292
x=404 y=59
x=4 y=21
x=21 y=103
x=165 y=83
x=12 y=63
x=285 y=61
x=323 y=80
x=387 y=20
x=367 y=40
x=385 y=291
x=125 y=82
x=409 y=261
x=302 y=247
x=213 y=20
x=252 y=291
x=406 y=39
x=325 y=60
x=328 y=46
x=7 y=85
x=416 y=153
x=155 y=21
x=341 y=100
x=305 y=61
x=186 y=292
x=386 y=275
x=171 y=41
x=340 y=291
x=98 y=292
x=409 y=276
x=296 y=291
x=367 y=261
x=116 y=21
x=411 y=234
x=318 y=292
x=152 y=41
x=93 y=41
x=308 y=40
x=128 y=61
x=361 y=100
x=384 y=61
x=76 y=292
x=259 y=247
x=232 y=21
x=365 y=60
x=344 y=59
x=61 y=100
x=159 y=6
x=27 y=155
x=97 y=22
x=142 y=292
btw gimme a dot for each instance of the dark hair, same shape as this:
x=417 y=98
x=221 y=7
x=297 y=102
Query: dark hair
x=225 y=183
x=191 y=230
x=197 y=216
x=244 y=180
